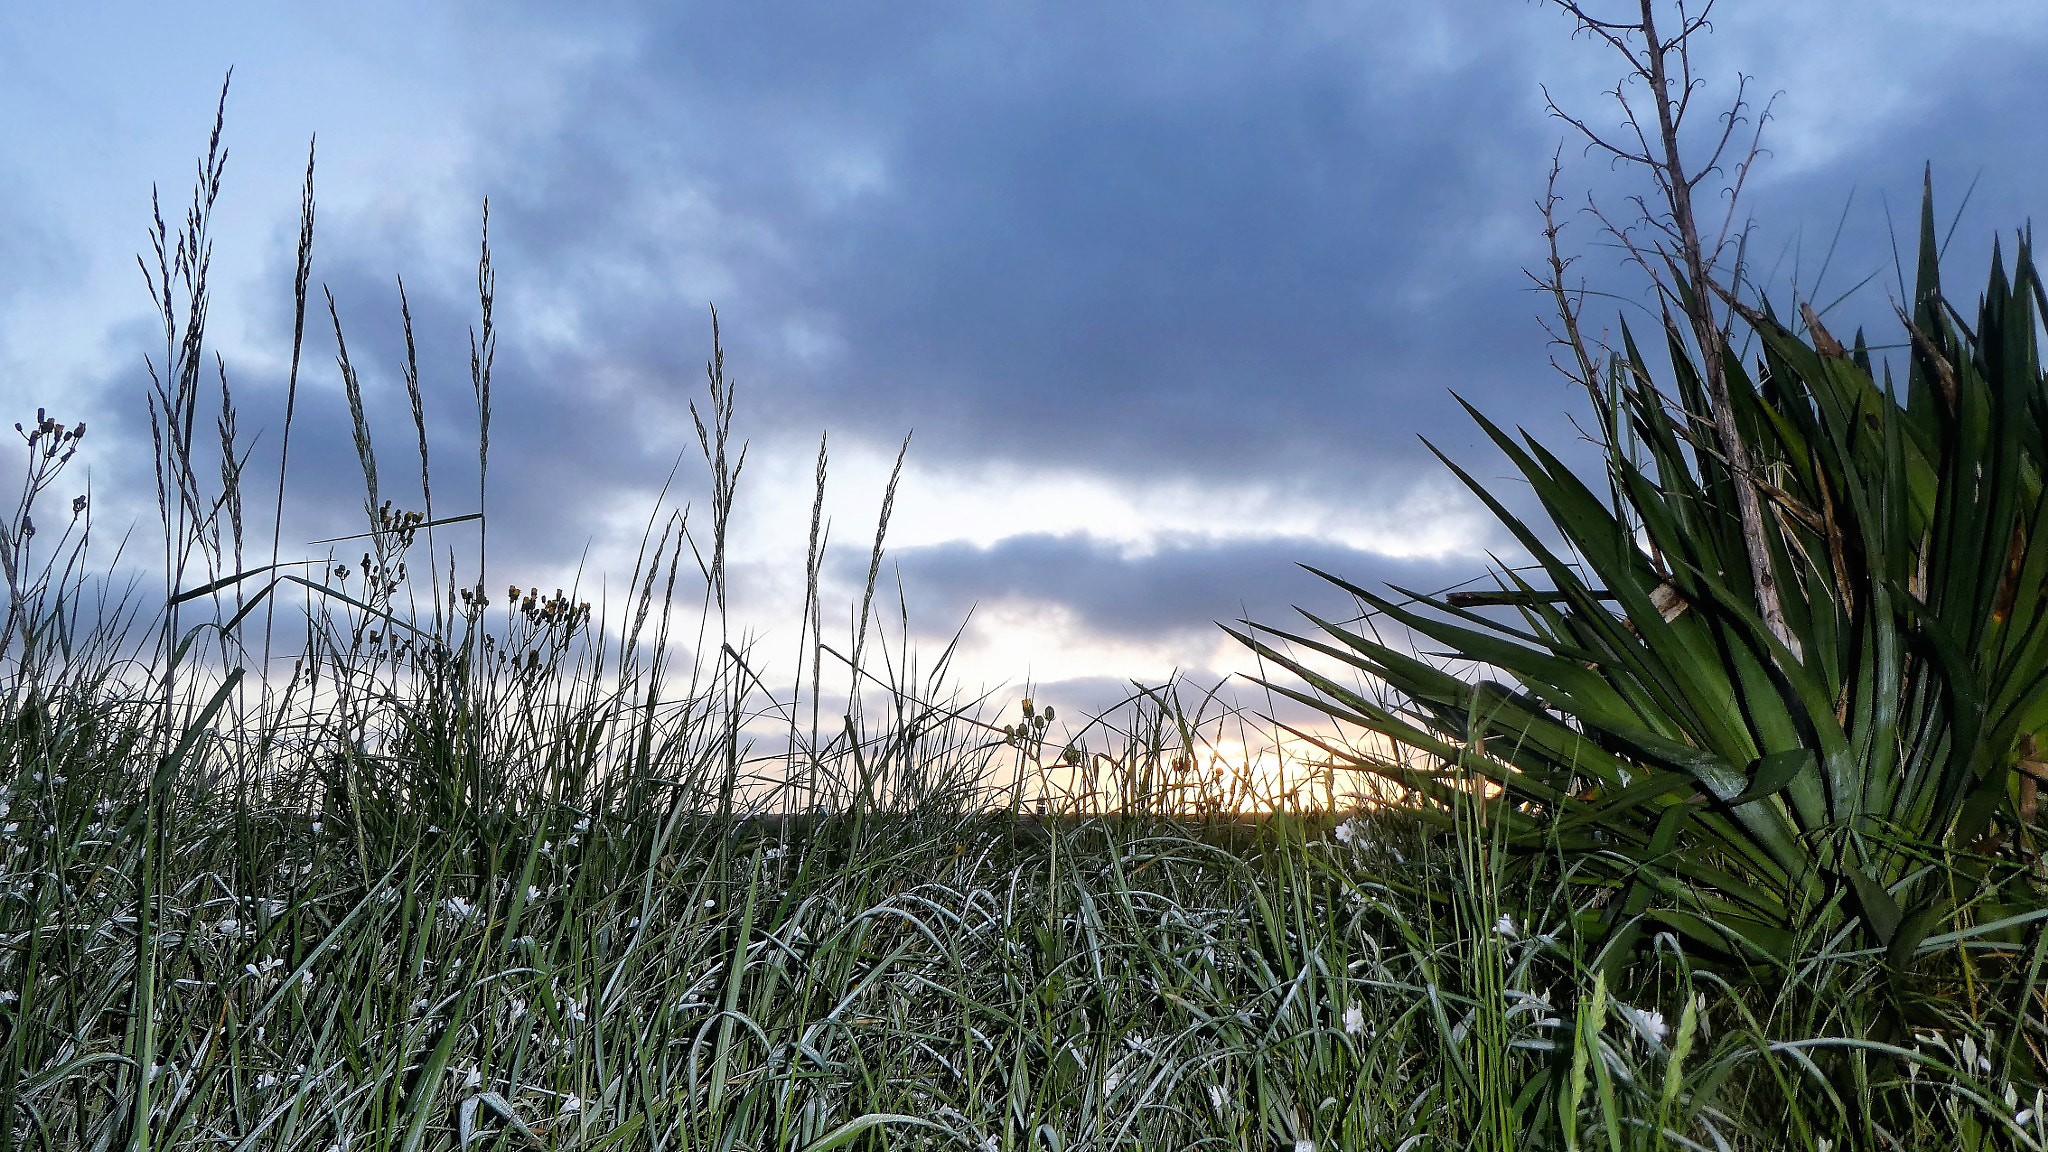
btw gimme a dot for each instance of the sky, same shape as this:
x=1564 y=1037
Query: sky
x=1166 y=297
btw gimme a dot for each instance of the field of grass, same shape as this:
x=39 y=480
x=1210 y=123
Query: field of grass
x=482 y=873
x=308 y=950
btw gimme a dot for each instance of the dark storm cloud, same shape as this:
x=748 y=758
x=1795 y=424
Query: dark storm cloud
x=1210 y=243
x=1181 y=587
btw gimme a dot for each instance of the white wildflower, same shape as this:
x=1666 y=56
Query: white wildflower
x=1112 y=1082
x=532 y=893
x=1505 y=927
x=1649 y=1024
x=471 y=1078
x=1304 y=1146
x=1217 y=1097
x=267 y=1080
x=317 y=826
x=8 y=996
x=1354 y=1021
x=708 y=904
x=461 y=909
x=572 y=1104
x=263 y=968
x=228 y=926
x=1347 y=832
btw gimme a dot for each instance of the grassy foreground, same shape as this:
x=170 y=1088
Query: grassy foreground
x=553 y=961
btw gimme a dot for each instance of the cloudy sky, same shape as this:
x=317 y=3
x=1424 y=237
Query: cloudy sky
x=1167 y=295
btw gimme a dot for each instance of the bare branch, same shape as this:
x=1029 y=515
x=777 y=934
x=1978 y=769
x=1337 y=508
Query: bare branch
x=1680 y=259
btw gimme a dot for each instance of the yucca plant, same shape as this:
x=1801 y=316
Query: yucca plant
x=1761 y=796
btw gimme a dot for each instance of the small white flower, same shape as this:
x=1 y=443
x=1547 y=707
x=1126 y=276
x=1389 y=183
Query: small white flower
x=9 y=996
x=517 y=1008
x=582 y=825
x=574 y=1012
x=991 y=1144
x=1217 y=1097
x=228 y=927
x=571 y=1104
x=1112 y=1082
x=263 y=968
x=1354 y=1021
x=1650 y=1023
x=267 y=1080
x=710 y=904
x=1347 y=832
x=1304 y=1146
x=420 y=1005
x=633 y=923
x=471 y=1078
x=532 y=893
x=1505 y=927
x=317 y=826
x=460 y=909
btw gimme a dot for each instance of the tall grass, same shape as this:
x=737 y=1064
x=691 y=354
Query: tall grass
x=526 y=874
